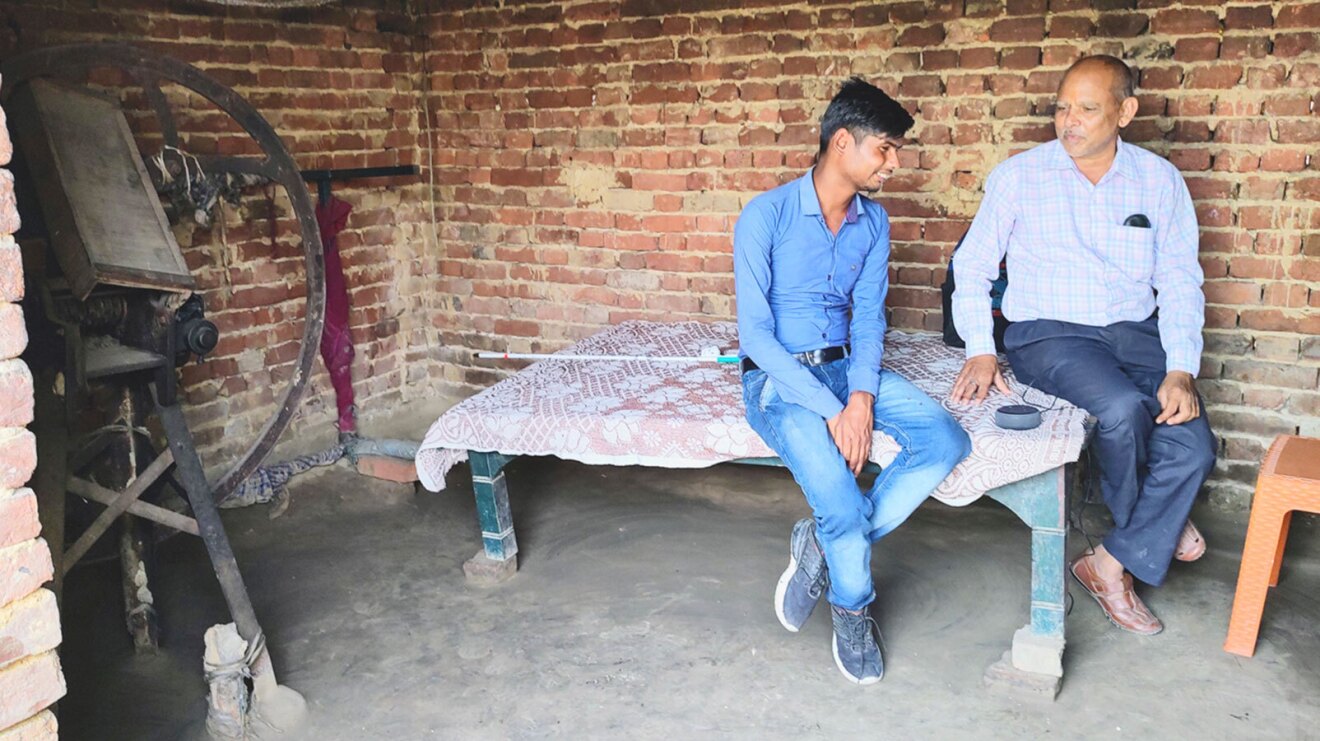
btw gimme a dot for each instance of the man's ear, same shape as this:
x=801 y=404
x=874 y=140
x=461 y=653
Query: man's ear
x=1127 y=110
x=841 y=140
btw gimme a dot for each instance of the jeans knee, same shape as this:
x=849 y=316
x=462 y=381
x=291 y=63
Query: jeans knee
x=948 y=446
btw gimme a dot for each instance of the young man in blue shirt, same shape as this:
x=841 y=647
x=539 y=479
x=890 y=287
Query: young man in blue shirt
x=811 y=270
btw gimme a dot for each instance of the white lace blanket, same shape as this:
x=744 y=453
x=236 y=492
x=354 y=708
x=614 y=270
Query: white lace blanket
x=676 y=415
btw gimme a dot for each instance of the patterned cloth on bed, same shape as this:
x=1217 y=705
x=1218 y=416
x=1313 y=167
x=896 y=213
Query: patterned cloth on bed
x=689 y=415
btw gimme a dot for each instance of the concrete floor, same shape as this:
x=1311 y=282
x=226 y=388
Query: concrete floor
x=642 y=610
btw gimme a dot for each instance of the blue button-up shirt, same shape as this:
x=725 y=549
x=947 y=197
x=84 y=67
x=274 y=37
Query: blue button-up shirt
x=801 y=288
x=1072 y=259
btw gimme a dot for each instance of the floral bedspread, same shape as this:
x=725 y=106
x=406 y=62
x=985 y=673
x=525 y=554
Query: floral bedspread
x=690 y=415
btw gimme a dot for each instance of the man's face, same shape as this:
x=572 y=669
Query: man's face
x=871 y=159
x=1086 y=116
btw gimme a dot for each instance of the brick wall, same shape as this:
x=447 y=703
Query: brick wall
x=584 y=161
x=340 y=85
x=591 y=158
x=30 y=676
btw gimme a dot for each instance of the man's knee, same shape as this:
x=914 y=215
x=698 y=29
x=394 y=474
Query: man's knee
x=1193 y=445
x=952 y=444
x=938 y=441
x=1125 y=413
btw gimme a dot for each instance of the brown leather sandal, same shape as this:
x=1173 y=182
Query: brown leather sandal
x=1191 y=544
x=1121 y=604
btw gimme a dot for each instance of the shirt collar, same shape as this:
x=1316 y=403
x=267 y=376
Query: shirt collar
x=811 y=202
x=1123 y=159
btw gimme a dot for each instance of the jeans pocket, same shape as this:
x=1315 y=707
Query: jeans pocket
x=768 y=394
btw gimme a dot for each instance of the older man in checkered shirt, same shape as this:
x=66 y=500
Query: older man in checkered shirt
x=1104 y=292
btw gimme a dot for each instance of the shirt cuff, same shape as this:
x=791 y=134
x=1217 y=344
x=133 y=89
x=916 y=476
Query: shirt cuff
x=864 y=379
x=981 y=347
x=1181 y=364
x=824 y=403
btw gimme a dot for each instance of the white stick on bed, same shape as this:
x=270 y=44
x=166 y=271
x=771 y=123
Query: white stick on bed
x=708 y=355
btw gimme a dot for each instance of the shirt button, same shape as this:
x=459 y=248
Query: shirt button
x=829 y=277
x=822 y=335
x=854 y=267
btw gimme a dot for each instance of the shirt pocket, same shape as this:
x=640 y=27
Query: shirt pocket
x=1130 y=250
x=847 y=270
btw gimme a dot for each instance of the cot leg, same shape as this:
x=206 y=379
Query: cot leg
x=497 y=561
x=1035 y=663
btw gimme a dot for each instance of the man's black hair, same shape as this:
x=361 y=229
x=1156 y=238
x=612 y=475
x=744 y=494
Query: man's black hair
x=862 y=109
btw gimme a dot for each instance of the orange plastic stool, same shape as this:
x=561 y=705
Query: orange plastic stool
x=1289 y=480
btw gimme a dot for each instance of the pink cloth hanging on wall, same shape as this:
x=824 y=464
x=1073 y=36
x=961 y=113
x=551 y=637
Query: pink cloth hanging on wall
x=336 y=342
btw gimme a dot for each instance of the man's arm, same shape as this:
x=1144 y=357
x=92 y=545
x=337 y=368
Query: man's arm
x=1177 y=280
x=866 y=331
x=975 y=267
x=752 y=238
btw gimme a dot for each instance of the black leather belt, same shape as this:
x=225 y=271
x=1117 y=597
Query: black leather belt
x=814 y=357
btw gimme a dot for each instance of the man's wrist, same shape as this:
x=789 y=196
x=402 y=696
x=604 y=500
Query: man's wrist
x=861 y=397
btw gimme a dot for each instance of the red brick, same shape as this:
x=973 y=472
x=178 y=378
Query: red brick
x=978 y=58
x=1298 y=15
x=9 y=221
x=40 y=727
x=1295 y=44
x=1219 y=76
x=23 y=568
x=15 y=394
x=1184 y=21
x=18 y=516
x=1023 y=57
x=1196 y=49
x=1018 y=29
x=18 y=457
x=1240 y=18
x=1299 y=132
x=1243 y=132
x=1122 y=25
x=387 y=468
x=29 y=626
x=28 y=687
x=1067 y=27
x=932 y=35
x=11 y=270
x=6 y=145
x=1232 y=292
x=1286 y=375
x=1161 y=78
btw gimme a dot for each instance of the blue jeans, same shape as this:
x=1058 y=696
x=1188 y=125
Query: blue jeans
x=849 y=520
x=1149 y=473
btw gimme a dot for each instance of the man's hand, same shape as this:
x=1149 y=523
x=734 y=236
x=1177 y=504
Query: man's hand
x=978 y=374
x=1178 y=402
x=851 y=430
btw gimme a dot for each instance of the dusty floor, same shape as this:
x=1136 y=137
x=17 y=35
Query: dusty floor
x=642 y=610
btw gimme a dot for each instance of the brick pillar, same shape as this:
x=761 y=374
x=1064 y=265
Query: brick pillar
x=30 y=676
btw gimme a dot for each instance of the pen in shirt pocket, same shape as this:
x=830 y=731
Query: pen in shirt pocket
x=1138 y=220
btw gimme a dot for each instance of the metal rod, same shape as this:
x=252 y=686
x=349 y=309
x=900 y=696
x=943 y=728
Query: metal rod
x=652 y=358
x=355 y=173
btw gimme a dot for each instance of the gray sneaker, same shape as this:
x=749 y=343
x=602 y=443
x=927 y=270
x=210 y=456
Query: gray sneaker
x=857 y=646
x=804 y=580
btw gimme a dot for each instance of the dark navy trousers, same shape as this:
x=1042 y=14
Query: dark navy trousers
x=1149 y=473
